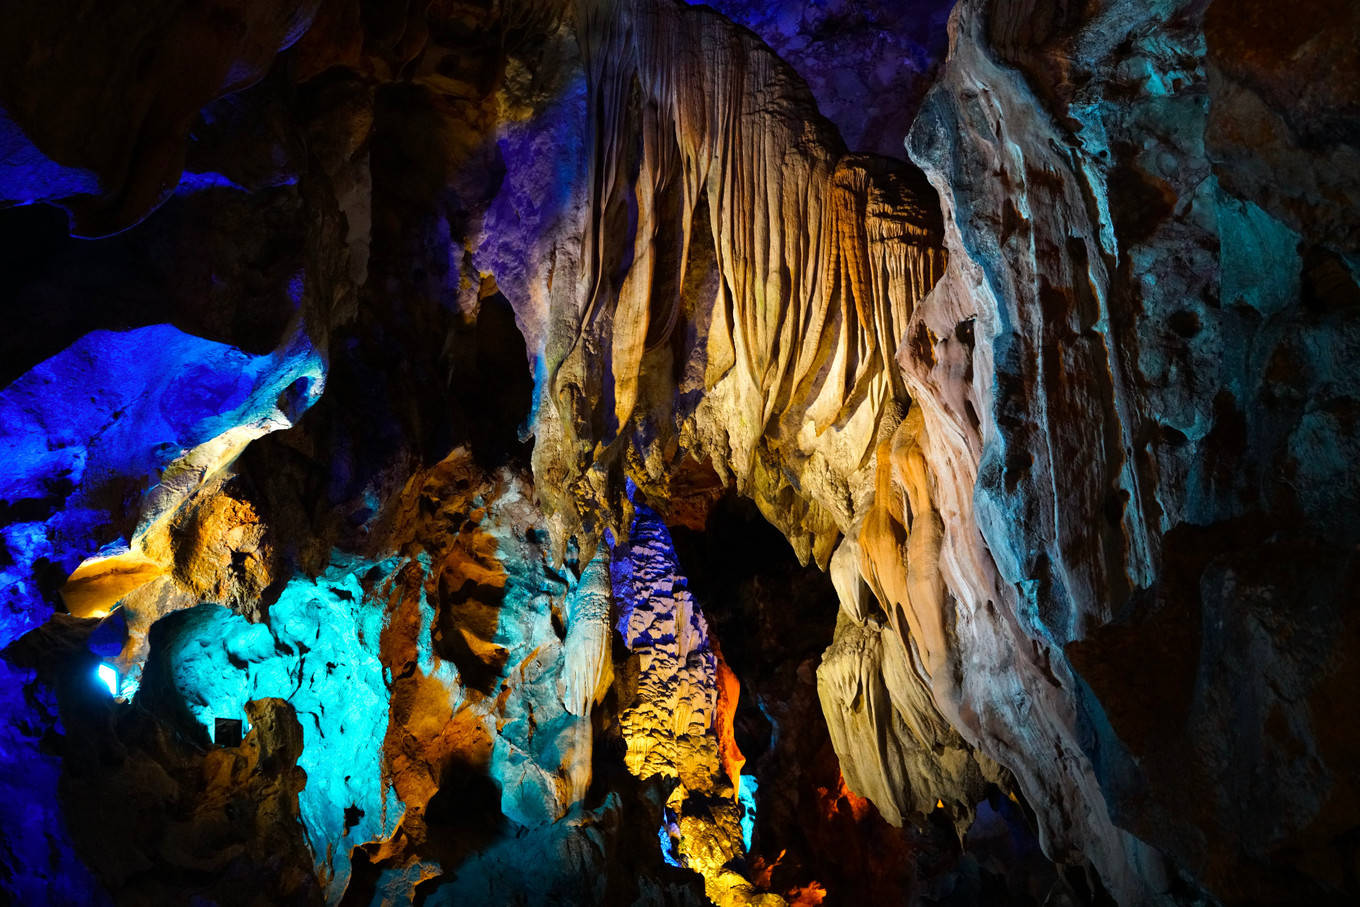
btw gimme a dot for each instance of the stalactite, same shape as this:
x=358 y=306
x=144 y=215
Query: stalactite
x=813 y=250
x=820 y=258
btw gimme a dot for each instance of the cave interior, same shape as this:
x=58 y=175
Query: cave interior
x=529 y=452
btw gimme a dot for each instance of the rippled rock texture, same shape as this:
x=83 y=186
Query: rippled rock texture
x=622 y=452
x=1141 y=295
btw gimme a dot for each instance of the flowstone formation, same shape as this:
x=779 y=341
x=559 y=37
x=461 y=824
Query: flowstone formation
x=634 y=452
x=771 y=277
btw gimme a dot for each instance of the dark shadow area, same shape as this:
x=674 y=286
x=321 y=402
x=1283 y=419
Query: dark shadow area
x=157 y=812
x=216 y=263
x=813 y=836
x=494 y=388
x=463 y=817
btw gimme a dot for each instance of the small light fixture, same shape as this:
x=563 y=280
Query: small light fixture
x=109 y=677
x=227 y=731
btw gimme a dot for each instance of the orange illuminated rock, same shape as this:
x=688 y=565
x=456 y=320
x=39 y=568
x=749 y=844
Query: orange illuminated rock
x=729 y=691
x=97 y=586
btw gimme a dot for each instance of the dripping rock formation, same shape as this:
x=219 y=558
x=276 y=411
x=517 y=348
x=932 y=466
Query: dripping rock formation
x=636 y=452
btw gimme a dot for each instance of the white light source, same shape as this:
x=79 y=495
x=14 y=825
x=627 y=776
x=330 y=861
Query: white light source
x=109 y=677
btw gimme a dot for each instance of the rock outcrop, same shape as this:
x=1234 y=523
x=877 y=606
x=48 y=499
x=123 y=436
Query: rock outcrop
x=751 y=315
x=767 y=349
x=769 y=279
x=1115 y=330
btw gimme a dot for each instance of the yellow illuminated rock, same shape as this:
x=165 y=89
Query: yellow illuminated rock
x=97 y=586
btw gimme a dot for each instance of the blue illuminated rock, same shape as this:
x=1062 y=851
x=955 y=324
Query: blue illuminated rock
x=320 y=651
x=101 y=442
x=40 y=862
x=145 y=415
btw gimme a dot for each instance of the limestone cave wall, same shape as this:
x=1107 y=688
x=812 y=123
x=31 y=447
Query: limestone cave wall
x=627 y=451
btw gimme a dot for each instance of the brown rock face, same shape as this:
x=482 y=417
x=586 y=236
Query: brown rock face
x=113 y=115
x=159 y=818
